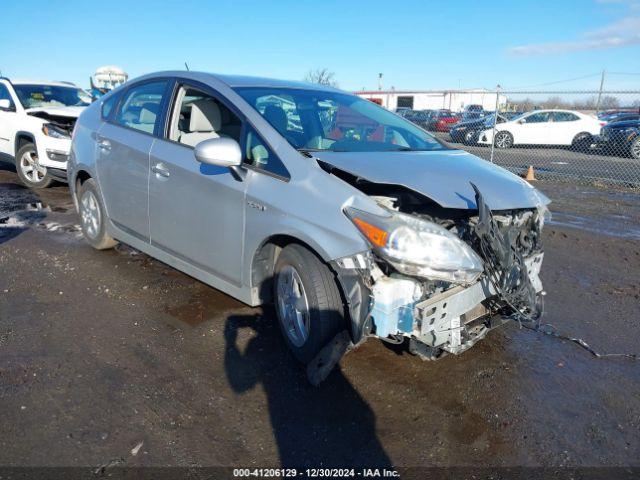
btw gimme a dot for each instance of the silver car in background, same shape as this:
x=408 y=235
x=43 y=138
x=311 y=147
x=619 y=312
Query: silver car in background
x=353 y=221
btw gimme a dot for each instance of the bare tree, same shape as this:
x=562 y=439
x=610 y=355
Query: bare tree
x=322 y=76
x=609 y=102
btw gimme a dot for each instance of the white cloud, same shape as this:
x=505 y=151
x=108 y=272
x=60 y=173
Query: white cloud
x=616 y=34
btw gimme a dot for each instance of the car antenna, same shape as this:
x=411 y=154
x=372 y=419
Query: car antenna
x=186 y=66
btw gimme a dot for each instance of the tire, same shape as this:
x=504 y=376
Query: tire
x=469 y=137
x=319 y=309
x=30 y=172
x=503 y=140
x=634 y=148
x=581 y=141
x=92 y=216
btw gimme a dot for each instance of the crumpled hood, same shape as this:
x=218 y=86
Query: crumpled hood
x=444 y=176
x=71 y=112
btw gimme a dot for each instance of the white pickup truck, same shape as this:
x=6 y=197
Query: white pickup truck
x=36 y=121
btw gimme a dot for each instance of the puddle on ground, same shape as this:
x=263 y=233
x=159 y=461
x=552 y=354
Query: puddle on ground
x=615 y=226
x=21 y=208
x=205 y=304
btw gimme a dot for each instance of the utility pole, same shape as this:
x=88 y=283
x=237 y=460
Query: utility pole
x=379 y=81
x=495 y=120
x=600 y=92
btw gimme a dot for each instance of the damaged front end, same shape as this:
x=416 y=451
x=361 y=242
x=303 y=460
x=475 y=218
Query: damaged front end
x=440 y=277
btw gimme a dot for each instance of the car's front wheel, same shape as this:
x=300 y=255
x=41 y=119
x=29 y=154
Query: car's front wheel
x=29 y=170
x=92 y=216
x=308 y=302
x=503 y=140
x=634 y=148
x=469 y=137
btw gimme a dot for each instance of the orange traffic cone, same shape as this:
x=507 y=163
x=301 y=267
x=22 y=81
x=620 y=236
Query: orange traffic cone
x=530 y=175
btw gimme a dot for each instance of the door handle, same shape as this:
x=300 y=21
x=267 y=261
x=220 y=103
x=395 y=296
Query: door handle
x=104 y=144
x=160 y=170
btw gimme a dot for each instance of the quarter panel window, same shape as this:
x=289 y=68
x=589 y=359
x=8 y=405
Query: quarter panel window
x=140 y=108
x=260 y=156
x=108 y=105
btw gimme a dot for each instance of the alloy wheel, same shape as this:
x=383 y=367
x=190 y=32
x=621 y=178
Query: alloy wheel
x=503 y=140
x=90 y=214
x=635 y=149
x=31 y=168
x=293 y=305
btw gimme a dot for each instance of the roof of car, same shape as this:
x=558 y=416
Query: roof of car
x=241 y=80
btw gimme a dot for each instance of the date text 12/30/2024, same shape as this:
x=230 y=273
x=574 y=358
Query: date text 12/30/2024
x=314 y=473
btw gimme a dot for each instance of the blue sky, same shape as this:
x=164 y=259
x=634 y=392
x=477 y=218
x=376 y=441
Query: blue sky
x=416 y=44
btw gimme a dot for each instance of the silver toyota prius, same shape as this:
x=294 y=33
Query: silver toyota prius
x=353 y=221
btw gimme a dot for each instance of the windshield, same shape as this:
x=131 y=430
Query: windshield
x=335 y=121
x=38 y=96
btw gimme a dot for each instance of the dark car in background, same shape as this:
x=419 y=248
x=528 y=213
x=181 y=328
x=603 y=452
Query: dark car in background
x=622 y=138
x=419 y=117
x=467 y=131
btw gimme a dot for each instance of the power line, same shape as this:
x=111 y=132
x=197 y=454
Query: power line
x=623 y=73
x=559 y=81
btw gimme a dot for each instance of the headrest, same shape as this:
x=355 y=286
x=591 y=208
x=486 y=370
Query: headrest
x=205 y=116
x=148 y=112
x=277 y=117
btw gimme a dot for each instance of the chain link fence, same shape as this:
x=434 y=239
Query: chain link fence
x=579 y=136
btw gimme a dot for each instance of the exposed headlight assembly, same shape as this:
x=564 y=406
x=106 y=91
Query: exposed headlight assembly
x=52 y=131
x=418 y=247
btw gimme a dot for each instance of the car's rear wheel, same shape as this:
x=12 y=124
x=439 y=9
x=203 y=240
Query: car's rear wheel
x=581 y=141
x=30 y=172
x=92 y=216
x=503 y=140
x=634 y=148
x=308 y=302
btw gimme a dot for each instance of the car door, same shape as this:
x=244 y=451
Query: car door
x=197 y=211
x=533 y=129
x=123 y=144
x=8 y=122
x=566 y=126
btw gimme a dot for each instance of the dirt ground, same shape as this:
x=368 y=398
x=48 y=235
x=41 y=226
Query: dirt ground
x=100 y=351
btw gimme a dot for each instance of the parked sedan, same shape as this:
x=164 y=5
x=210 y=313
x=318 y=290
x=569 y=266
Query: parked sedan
x=621 y=138
x=442 y=121
x=467 y=132
x=545 y=127
x=354 y=222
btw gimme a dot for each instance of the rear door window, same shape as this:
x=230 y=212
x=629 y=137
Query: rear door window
x=564 y=117
x=141 y=107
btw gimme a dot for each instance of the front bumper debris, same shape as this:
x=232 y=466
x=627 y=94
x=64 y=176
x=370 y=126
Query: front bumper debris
x=453 y=320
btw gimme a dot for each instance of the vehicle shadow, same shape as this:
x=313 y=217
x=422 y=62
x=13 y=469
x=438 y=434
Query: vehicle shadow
x=326 y=426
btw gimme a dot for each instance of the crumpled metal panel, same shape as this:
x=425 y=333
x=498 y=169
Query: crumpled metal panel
x=443 y=176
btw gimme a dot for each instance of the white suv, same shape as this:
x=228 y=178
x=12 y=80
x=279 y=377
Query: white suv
x=36 y=121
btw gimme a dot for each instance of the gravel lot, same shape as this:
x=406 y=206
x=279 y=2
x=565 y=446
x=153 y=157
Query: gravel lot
x=100 y=351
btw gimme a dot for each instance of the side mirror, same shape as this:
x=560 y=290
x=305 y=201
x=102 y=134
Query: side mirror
x=221 y=152
x=5 y=104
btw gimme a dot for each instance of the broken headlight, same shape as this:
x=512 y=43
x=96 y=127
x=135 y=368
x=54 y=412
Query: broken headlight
x=418 y=247
x=51 y=130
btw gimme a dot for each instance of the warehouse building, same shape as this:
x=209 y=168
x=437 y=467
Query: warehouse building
x=455 y=100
